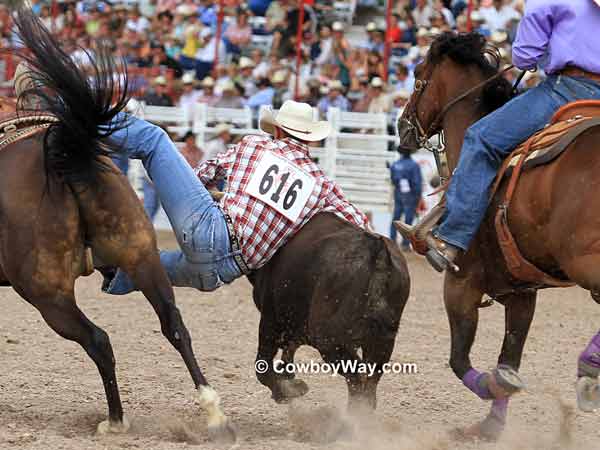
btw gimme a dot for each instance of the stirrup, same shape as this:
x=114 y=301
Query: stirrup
x=417 y=234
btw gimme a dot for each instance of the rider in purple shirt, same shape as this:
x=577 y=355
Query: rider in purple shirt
x=554 y=35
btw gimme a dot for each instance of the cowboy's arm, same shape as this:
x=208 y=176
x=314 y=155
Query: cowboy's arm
x=533 y=34
x=217 y=168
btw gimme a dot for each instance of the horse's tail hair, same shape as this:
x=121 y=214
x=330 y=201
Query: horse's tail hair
x=86 y=102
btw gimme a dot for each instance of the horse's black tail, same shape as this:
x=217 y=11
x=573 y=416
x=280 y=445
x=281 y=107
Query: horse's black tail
x=86 y=102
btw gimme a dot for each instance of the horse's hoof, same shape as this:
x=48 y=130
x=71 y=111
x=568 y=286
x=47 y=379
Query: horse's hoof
x=505 y=381
x=223 y=433
x=588 y=394
x=110 y=427
x=488 y=429
x=289 y=389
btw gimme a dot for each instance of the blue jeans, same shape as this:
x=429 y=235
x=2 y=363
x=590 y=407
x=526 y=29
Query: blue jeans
x=205 y=260
x=151 y=202
x=403 y=205
x=490 y=140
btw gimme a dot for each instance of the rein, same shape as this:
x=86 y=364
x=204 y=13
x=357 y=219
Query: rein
x=423 y=136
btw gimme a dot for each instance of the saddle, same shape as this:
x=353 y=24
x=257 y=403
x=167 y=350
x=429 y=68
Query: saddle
x=545 y=146
x=17 y=125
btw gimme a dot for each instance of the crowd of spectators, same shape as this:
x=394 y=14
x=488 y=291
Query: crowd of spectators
x=175 y=58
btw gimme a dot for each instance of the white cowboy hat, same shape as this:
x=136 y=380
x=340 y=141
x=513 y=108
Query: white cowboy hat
x=296 y=119
x=188 y=78
x=337 y=26
x=160 y=81
x=377 y=82
x=335 y=85
x=222 y=128
x=278 y=77
x=208 y=82
x=246 y=63
x=227 y=85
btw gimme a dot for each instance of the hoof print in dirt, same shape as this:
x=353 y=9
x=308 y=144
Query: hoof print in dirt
x=488 y=430
x=323 y=425
x=223 y=434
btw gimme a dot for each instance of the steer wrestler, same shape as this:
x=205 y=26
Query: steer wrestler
x=273 y=188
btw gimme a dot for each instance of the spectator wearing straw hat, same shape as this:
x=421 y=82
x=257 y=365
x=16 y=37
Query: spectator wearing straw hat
x=371 y=29
x=341 y=52
x=190 y=94
x=333 y=99
x=219 y=144
x=380 y=101
x=280 y=85
x=158 y=95
x=230 y=97
x=208 y=92
x=246 y=78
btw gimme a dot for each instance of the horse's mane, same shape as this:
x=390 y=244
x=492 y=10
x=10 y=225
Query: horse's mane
x=472 y=50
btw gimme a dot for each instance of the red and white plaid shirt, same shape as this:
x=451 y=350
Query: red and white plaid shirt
x=260 y=228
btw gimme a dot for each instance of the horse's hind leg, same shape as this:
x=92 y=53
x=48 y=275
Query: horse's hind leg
x=59 y=310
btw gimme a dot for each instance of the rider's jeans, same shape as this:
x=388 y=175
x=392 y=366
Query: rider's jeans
x=490 y=140
x=205 y=260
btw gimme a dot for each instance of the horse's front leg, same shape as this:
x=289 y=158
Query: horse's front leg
x=519 y=311
x=463 y=298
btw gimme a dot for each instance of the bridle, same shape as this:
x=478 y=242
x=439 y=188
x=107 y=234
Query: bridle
x=422 y=135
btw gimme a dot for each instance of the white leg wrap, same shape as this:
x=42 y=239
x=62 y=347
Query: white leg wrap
x=209 y=400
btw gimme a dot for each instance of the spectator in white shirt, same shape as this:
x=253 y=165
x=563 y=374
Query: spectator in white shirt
x=190 y=94
x=499 y=15
x=422 y=14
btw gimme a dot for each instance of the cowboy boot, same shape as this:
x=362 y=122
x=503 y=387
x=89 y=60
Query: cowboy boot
x=441 y=254
x=417 y=234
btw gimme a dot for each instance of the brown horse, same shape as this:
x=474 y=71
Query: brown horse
x=59 y=192
x=338 y=289
x=557 y=232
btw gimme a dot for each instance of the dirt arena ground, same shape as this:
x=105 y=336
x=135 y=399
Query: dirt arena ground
x=51 y=396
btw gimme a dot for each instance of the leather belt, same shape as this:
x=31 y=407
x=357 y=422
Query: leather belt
x=235 y=246
x=572 y=71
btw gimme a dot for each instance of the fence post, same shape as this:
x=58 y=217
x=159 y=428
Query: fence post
x=200 y=122
x=331 y=144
